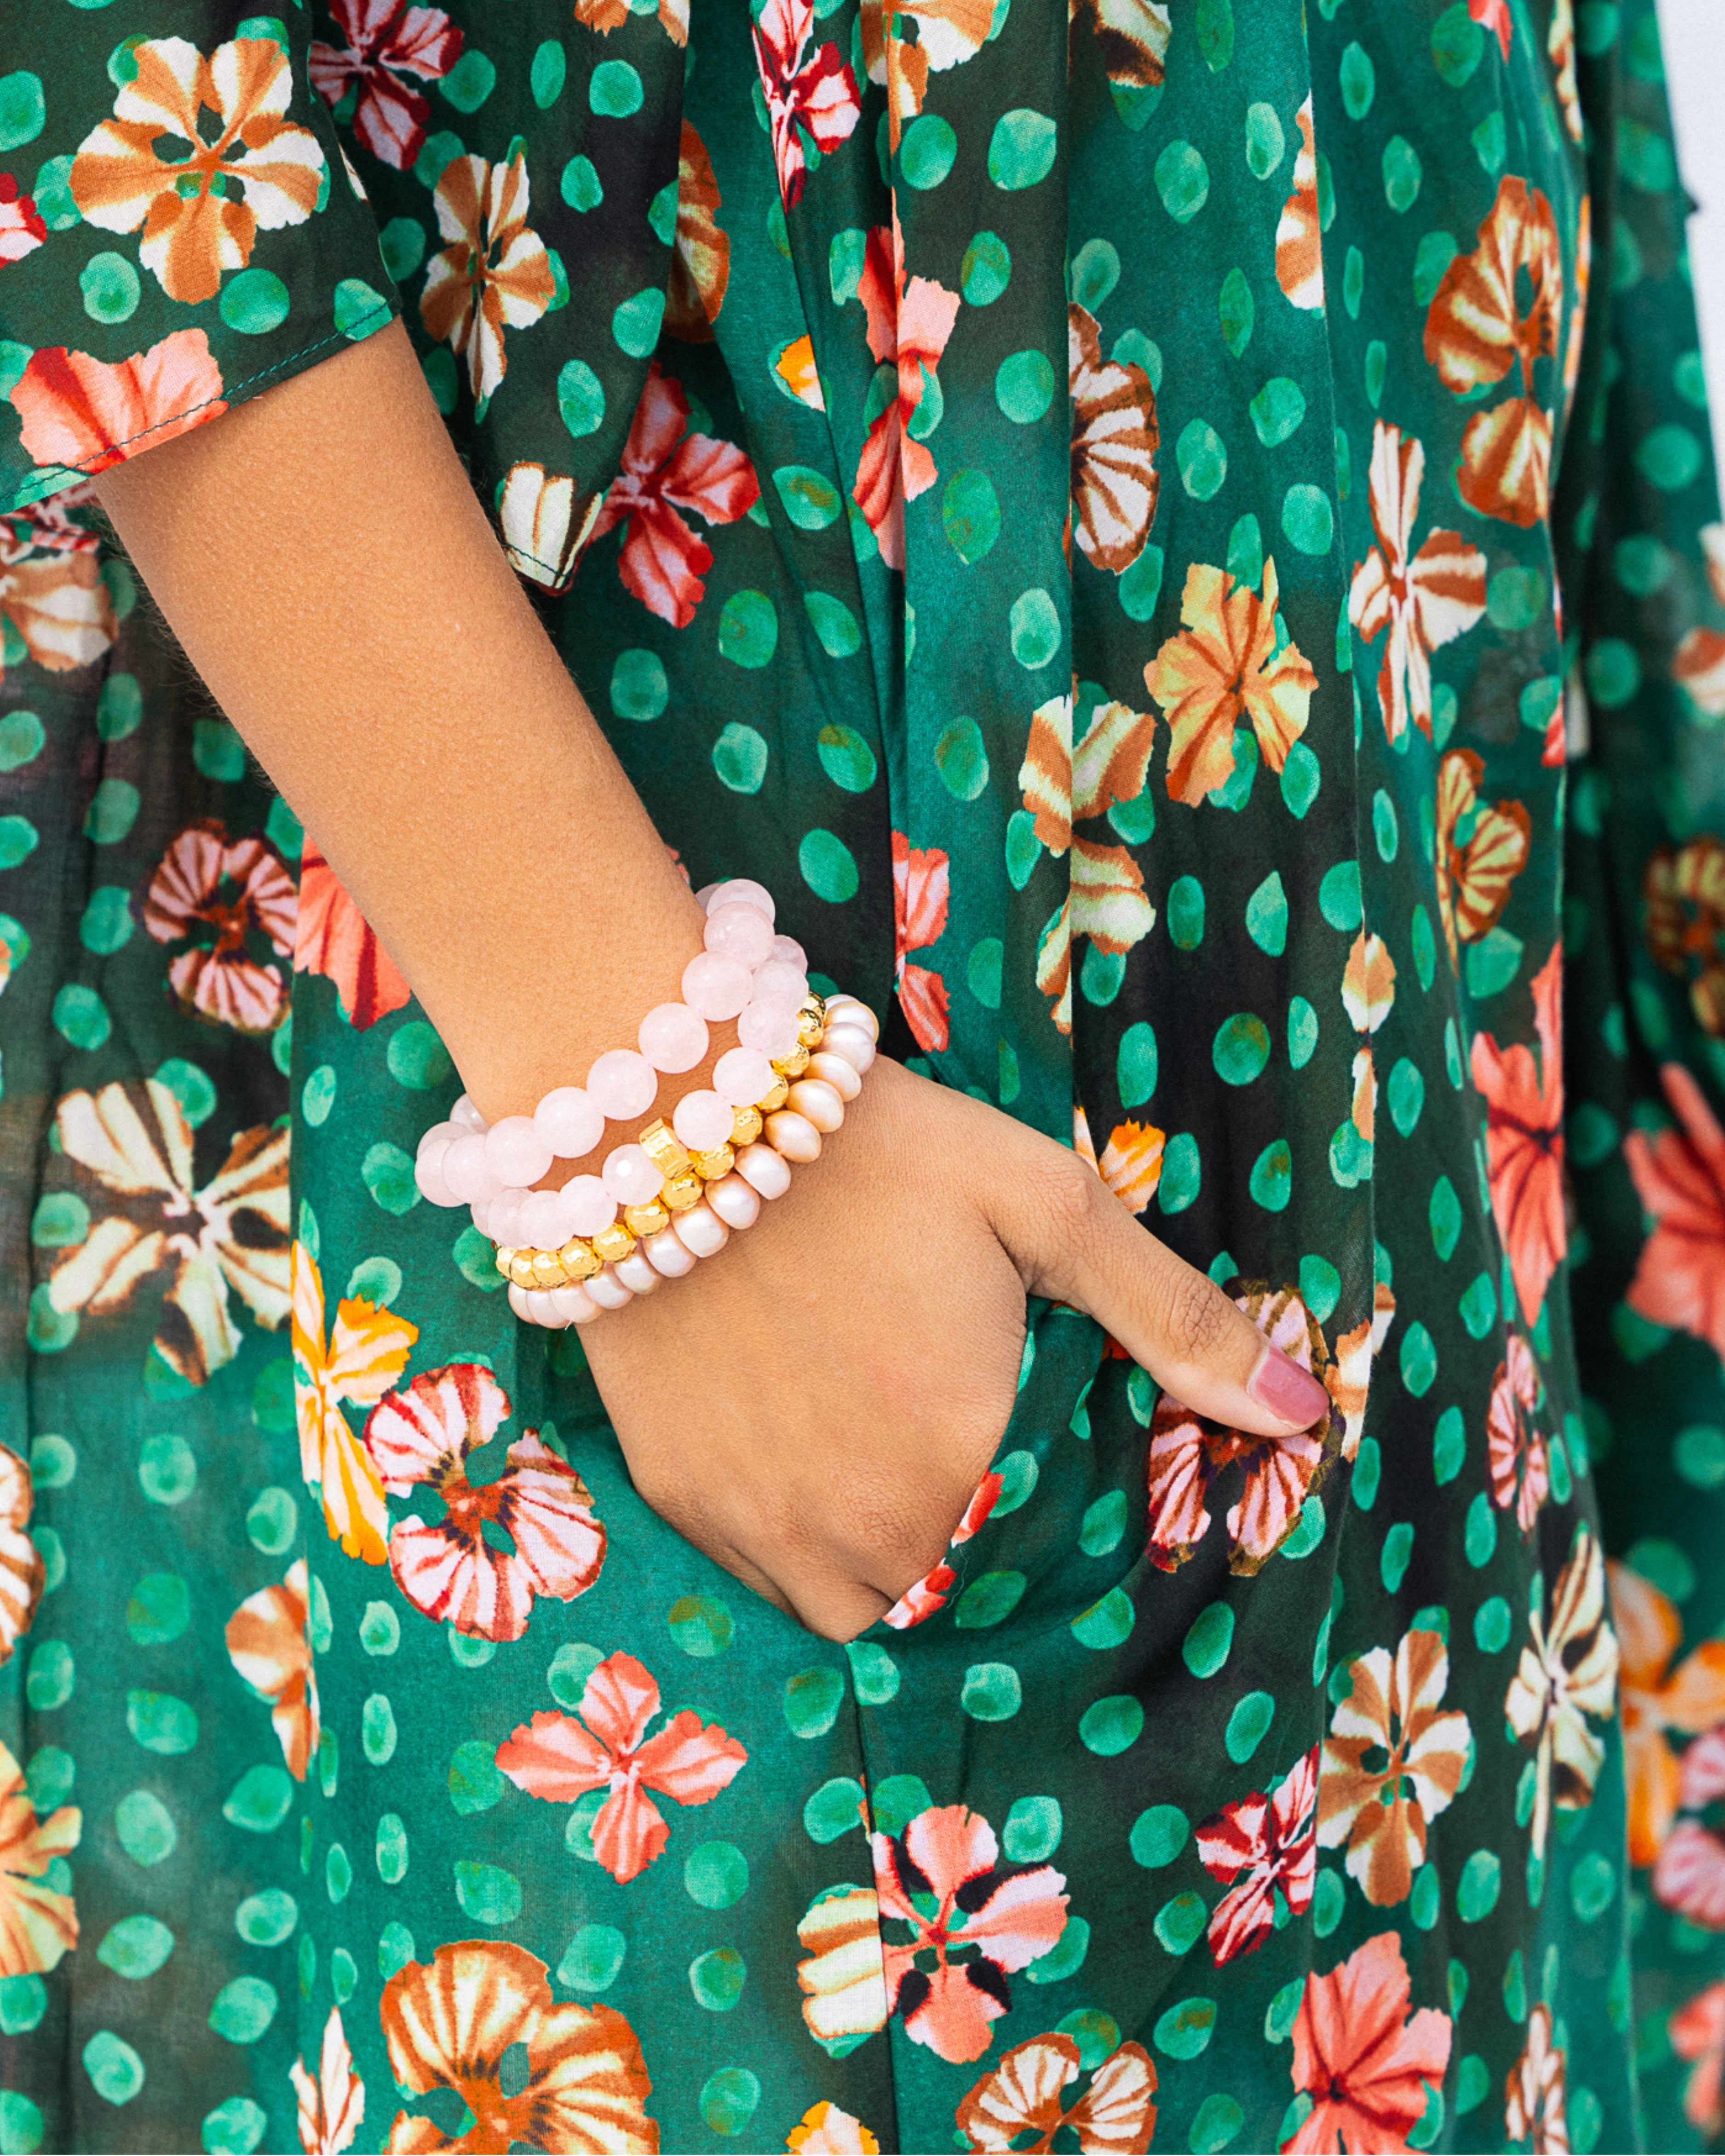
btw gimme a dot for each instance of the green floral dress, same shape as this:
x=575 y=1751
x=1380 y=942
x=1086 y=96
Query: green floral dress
x=1286 y=767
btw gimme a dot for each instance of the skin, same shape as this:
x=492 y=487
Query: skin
x=803 y=1408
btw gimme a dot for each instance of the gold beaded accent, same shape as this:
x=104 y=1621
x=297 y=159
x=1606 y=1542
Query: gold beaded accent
x=614 y=1244
x=711 y=1166
x=775 y=1098
x=579 y=1262
x=664 y=1149
x=547 y=1269
x=811 y=1024
x=644 y=1221
x=745 y=1126
x=681 y=1192
x=504 y=1257
x=520 y=1269
x=794 y=1064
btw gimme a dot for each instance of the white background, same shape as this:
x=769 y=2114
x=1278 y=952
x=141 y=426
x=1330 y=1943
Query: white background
x=1695 y=68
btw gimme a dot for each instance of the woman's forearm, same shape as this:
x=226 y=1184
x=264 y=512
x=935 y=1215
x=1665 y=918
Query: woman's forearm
x=322 y=559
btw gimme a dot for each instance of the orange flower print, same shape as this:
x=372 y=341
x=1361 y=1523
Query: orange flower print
x=1560 y=49
x=1524 y=1140
x=38 y=1922
x=1188 y=1453
x=86 y=416
x=1367 y=2067
x=1065 y=785
x=919 y=906
x=1114 y=443
x=22 y=228
x=1679 y=1176
x=947 y=32
x=20 y=1568
x=1026 y=2093
x=926 y=1596
x=604 y=1745
x=1697 y=2034
x=449 y=2024
x=1481 y=848
x=332 y=2108
x=53 y=597
x=908 y=324
x=1299 y=237
x=1656 y=1701
x=606 y=16
x=1518 y=1456
x=1392 y=1762
x=494 y=274
x=796 y=369
x=1698 y=666
x=844 y=1981
x=700 y=251
x=1535 y=2100
x=548 y=1539
x=1683 y=919
x=220 y=895
x=1498 y=308
x=824 y=2130
x=332 y=937
x=1566 y=1673
x=546 y=520
x=367 y=1352
x=1227 y=667
x=1133 y=36
x=251 y=170
x=267 y=1646
x=1131 y=1164
x=1423 y=601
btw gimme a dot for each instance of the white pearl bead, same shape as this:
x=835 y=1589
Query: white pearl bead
x=856 y=1047
x=701 y=1230
x=793 y=1136
x=637 y=1274
x=667 y=1255
x=518 y=1303
x=819 y=1103
x=577 y=1306
x=763 y=1171
x=849 y=1010
x=608 y=1291
x=843 y=1078
x=737 y=1204
x=541 y=1309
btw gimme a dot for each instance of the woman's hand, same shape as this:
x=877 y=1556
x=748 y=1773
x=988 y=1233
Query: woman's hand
x=815 y=1406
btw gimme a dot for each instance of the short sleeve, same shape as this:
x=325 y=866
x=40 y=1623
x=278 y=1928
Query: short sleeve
x=179 y=228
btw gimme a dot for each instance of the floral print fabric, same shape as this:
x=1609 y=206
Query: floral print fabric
x=1284 y=765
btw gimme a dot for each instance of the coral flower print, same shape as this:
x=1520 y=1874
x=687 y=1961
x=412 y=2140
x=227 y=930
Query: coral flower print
x=22 y=227
x=267 y=1646
x=20 y=1568
x=605 y=1746
x=220 y=895
x=386 y=40
x=824 y=2130
x=248 y=170
x=552 y=1542
x=228 y=1238
x=1299 y=237
x=88 y=416
x=38 y=1922
x=922 y=1599
x=1393 y=1761
x=1479 y=327
x=1227 y=667
x=1422 y=601
x=1115 y=436
x=1026 y=2093
x=332 y=937
x=366 y=1351
x=332 y=2108
x=1567 y=1676
x=54 y=597
x=811 y=96
x=1683 y=918
x=1517 y=1454
x=908 y=326
x=1188 y=1453
x=1697 y=2034
x=701 y=251
x=494 y=274
x=1368 y=2067
x=1655 y=1699
x=1264 y=1850
x=919 y=906
x=1495 y=16
x=665 y=470
x=940 y=1878
x=1481 y=848
x=1535 y=2105
x=449 y=2024
x=1680 y=1178
x=1524 y=1140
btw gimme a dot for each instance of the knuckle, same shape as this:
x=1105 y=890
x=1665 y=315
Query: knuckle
x=1066 y=1193
x=1195 y=1314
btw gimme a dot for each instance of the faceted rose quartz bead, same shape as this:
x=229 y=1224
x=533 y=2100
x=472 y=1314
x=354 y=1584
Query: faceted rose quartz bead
x=465 y=1170
x=428 y=1174
x=740 y=932
x=480 y=1216
x=736 y=1203
x=570 y=1121
x=741 y=1075
x=703 y=898
x=445 y=1133
x=847 y=1010
x=770 y=1027
x=716 y=987
x=575 y=1303
x=818 y=1103
x=843 y=1078
x=540 y=1217
x=469 y=1117
x=856 y=1047
x=542 y=1310
x=776 y=983
x=667 y=1255
x=629 y=1176
x=608 y=1291
x=701 y=1230
x=588 y=1205
x=637 y=1276
x=788 y=951
x=515 y=1153
x=503 y=1218
x=673 y=1037
x=760 y=1167
x=742 y=891
x=622 y=1083
x=794 y=1137
x=703 y=1122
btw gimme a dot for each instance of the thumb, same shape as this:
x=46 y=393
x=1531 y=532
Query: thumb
x=1074 y=1242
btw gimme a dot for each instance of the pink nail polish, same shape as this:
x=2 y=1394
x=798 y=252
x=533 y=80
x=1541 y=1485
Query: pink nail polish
x=1280 y=1384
